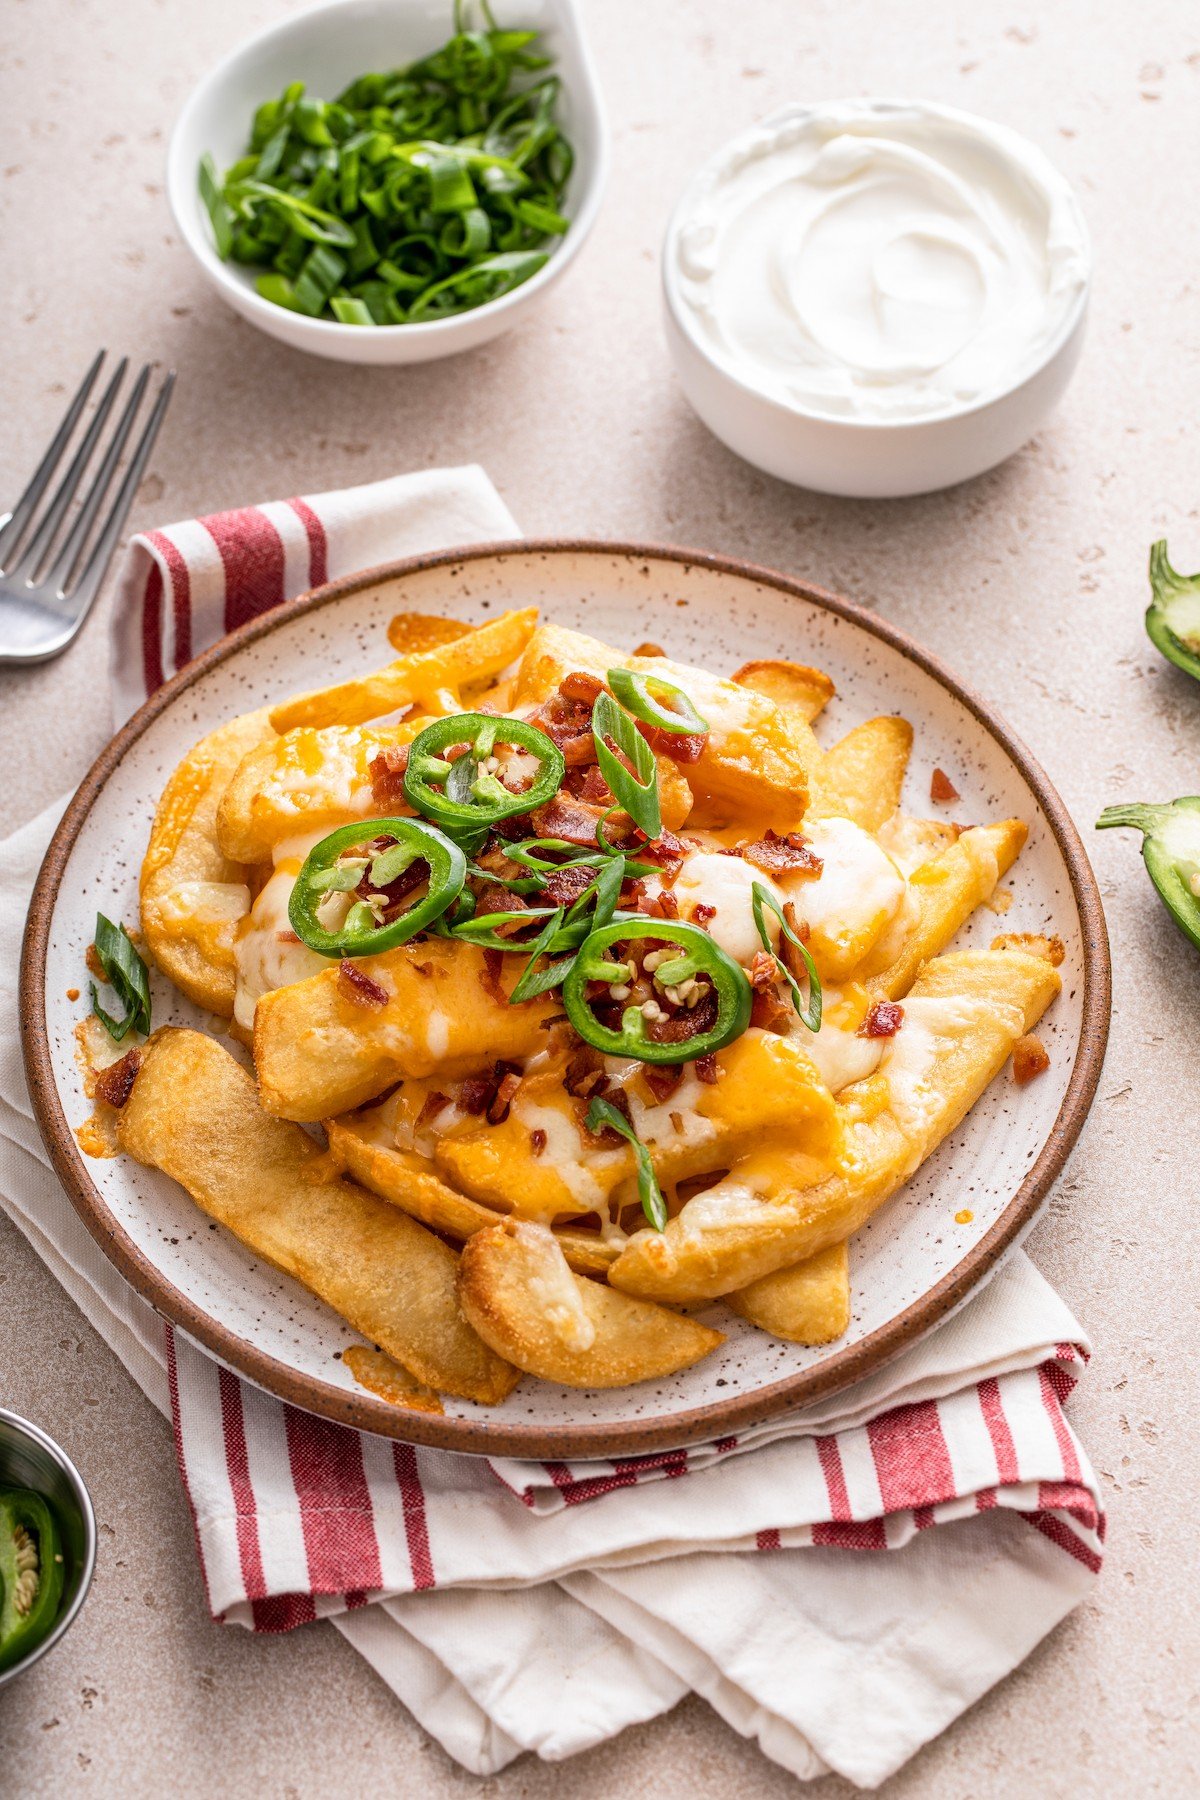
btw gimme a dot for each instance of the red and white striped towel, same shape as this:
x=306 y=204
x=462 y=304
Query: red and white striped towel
x=545 y=1607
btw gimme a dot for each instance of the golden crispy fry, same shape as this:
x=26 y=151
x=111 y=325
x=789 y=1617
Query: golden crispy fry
x=860 y=778
x=390 y=1380
x=807 y=1304
x=748 y=1225
x=945 y=892
x=361 y=1144
x=409 y=633
x=319 y=1052
x=421 y=679
x=192 y=893
x=309 y=780
x=789 y=685
x=516 y=1289
x=193 y=1114
x=1033 y=944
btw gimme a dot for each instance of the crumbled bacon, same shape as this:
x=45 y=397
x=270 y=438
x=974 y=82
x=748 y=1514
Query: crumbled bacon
x=504 y=1096
x=662 y=1079
x=474 y=1094
x=492 y=898
x=387 y=776
x=941 y=788
x=592 y=787
x=581 y=685
x=680 y=746
x=584 y=1073
x=115 y=1084
x=537 y=1141
x=566 y=885
x=665 y=906
x=565 y=817
x=397 y=891
x=708 y=1069
x=762 y=970
x=676 y=1028
x=492 y=1093
x=883 y=1020
x=1029 y=1058
x=768 y=1012
x=432 y=1105
x=359 y=987
x=702 y=912
x=489 y=974
x=773 y=853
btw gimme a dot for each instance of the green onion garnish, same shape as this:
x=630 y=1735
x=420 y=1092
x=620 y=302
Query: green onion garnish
x=418 y=193
x=637 y=792
x=810 y=1014
x=127 y=975
x=601 y=1113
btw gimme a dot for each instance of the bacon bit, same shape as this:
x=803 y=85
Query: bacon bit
x=356 y=985
x=762 y=970
x=115 y=1084
x=286 y=937
x=475 y=1094
x=677 y=1028
x=708 y=1069
x=593 y=788
x=489 y=974
x=665 y=905
x=680 y=746
x=423 y=968
x=565 y=817
x=579 y=752
x=793 y=962
x=662 y=1079
x=581 y=685
x=566 y=885
x=1051 y=949
x=433 y=1104
x=676 y=1119
x=504 y=1096
x=883 y=1020
x=537 y=1140
x=769 y=1013
x=701 y=913
x=1029 y=1058
x=649 y=650
x=773 y=853
x=492 y=898
x=387 y=775
x=941 y=788
x=584 y=1073
x=397 y=891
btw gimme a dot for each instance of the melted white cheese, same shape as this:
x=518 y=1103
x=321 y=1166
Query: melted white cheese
x=859 y=889
x=841 y=1056
x=726 y=1203
x=268 y=953
x=553 y=1290
x=930 y=1027
x=565 y=1151
x=725 y=882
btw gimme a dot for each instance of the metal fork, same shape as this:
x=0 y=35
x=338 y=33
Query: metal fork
x=48 y=579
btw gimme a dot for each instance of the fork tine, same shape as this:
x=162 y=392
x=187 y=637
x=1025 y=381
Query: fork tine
x=37 y=550
x=92 y=573
x=68 y=556
x=14 y=525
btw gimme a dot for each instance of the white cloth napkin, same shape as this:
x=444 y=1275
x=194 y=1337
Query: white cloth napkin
x=594 y=1596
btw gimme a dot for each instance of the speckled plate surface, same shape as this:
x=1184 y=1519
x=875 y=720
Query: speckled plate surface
x=911 y=1264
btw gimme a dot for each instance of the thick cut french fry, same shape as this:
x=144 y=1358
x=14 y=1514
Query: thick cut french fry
x=807 y=1304
x=193 y=1114
x=789 y=685
x=361 y=1144
x=944 y=893
x=409 y=633
x=319 y=1051
x=516 y=1289
x=421 y=679
x=192 y=893
x=749 y=1225
x=309 y=780
x=860 y=778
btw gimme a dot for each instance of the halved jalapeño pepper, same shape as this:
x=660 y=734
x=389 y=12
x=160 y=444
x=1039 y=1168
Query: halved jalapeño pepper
x=1171 y=852
x=1173 y=616
x=465 y=793
x=350 y=895
x=712 y=995
x=31 y=1573
x=656 y=702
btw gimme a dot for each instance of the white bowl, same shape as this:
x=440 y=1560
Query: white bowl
x=859 y=458
x=327 y=48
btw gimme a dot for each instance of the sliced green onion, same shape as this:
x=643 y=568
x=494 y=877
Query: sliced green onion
x=128 y=977
x=219 y=213
x=637 y=792
x=601 y=1113
x=810 y=1012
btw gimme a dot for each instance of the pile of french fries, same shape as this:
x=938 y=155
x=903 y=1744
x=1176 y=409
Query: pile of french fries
x=467 y=1257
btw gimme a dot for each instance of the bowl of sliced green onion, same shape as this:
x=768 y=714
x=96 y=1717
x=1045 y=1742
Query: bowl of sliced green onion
x=389 y=181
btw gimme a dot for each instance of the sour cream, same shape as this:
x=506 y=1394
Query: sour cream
x=877 y=260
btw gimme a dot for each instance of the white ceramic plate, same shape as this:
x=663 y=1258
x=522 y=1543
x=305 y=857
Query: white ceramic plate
x=910 y=1265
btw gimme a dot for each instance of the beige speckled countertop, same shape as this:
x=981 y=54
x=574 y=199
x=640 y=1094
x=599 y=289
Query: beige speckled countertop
x=1030 y=581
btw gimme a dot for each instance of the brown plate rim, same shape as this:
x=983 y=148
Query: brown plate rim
x=482 y=1436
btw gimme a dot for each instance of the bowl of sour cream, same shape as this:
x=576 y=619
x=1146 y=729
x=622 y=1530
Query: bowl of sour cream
x=876 y=297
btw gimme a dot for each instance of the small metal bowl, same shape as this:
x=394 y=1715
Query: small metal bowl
x=30 y=1459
